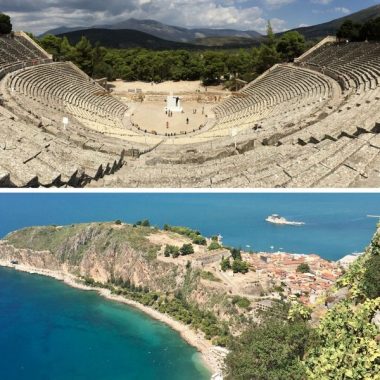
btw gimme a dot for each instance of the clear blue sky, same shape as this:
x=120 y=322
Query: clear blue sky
x=39 y=15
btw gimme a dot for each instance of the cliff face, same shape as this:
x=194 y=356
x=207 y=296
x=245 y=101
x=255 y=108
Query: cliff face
x=102 y=251
x=110 y=252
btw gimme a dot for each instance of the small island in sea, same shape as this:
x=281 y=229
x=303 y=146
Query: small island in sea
x=235 y=307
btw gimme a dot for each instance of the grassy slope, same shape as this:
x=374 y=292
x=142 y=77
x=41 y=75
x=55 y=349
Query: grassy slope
x=70 y=241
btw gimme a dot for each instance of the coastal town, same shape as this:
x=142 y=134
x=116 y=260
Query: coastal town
x=283 y=271
x=270 y=275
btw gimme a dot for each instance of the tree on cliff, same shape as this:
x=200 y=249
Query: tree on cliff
x=5 y=24
x=235 y=253
x=239 y=266
x=187 y=249
x=225 y=264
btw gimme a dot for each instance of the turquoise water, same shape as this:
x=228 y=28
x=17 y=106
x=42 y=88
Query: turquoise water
x=50 y=331
x=336 y=224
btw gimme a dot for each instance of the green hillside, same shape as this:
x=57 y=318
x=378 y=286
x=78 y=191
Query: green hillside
x=124 y=39
x=331 y=27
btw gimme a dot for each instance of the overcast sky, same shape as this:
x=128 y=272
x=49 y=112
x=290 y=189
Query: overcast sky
x=40 y=15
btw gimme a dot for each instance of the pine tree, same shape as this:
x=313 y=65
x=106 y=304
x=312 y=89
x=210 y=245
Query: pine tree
x=5 y=24
x=270 y=34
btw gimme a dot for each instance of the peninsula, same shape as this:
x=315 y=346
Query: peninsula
x=196 y=285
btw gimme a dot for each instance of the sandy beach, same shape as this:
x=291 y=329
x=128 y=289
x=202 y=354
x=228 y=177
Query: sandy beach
x=212 y=356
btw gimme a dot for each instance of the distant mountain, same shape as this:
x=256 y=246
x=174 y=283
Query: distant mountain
x=163 y=31
x=331 y=27
x=61 y=30
x=206 y=36
x=125 y=39
x=227 y=42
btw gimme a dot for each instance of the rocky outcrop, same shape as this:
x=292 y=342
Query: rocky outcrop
x=103 y=252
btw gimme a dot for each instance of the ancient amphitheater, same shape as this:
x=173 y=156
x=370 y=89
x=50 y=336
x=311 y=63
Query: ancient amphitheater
x=313 y=123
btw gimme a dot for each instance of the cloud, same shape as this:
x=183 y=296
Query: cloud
x=278 y=25
x=39 y=15
x=323 y=2
x=343 y=10
x=278 y=3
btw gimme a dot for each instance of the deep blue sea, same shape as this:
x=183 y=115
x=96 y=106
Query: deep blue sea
x=336 y=224
x=49 y=331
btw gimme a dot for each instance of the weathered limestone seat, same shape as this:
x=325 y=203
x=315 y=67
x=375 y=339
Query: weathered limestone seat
x=314 y=123
x=356 y=65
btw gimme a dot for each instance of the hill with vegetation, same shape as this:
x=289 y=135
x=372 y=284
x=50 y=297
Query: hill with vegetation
x=220 y=37
x=164 y=31
x=139 y=262
x=124 y=39
x=209 y=65
x=229 y=42
x=330 y=28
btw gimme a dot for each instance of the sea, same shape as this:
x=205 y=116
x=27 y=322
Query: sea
x=50 y=331
x=336 y=224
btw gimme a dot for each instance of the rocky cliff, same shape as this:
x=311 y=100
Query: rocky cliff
x=101 y=251
x=124 y=256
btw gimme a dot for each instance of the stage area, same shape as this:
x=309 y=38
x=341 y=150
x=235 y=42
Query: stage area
x=150 y=116
x=147 y=102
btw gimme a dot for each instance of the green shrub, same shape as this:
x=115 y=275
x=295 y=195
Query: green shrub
x=241 y=302
x=171 y=250
x=239 y=266
x=214 y=245
x=186 y=249
x=209 y=276
x=271 y=350
x=199 y=240
x=303 y=268
x=185 y=231
x=235 y=253
x=346 y=346
x=225 y=264
x=371 y=278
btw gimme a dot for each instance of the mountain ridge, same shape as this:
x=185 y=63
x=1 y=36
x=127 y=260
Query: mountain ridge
x=191 y=35
x=124 y=39
x=331 y=27
x=163 y=31
x=128 y=38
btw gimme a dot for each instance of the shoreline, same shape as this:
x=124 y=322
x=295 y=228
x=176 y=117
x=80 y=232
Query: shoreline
x=210 y=359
